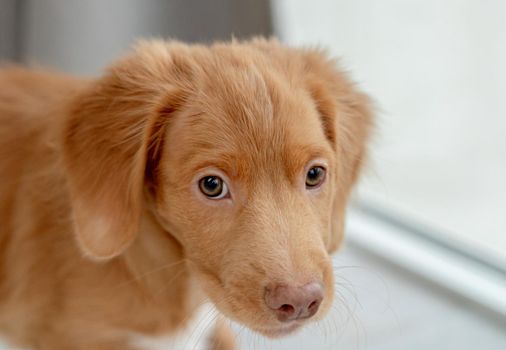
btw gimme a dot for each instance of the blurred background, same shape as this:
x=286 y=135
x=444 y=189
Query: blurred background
x=424 y=265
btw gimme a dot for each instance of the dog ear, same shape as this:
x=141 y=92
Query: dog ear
x=347 y=120
x=111 y=137
x=354 y=120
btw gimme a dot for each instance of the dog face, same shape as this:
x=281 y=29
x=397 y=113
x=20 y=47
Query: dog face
x=247 y=185
x=247 y=153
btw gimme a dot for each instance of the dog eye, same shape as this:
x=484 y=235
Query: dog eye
x=315 y=177
x=213 y=187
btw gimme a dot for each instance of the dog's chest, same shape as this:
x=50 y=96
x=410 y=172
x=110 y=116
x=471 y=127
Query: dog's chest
x=196 y=335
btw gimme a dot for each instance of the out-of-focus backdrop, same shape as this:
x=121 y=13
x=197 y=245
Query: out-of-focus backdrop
x=425 y=261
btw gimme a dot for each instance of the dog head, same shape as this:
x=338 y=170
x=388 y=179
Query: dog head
x=246 y=152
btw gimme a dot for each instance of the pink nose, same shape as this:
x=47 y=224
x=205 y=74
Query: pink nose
x=294 y=303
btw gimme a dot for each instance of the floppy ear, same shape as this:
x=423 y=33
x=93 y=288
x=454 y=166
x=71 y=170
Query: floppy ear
x=354 y=122
x=110 y=138
x=347 y=120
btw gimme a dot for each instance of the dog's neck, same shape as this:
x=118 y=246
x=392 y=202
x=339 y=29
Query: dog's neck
x=157 y=263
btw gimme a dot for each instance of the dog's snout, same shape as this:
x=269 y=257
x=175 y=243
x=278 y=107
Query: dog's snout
x=294 y=303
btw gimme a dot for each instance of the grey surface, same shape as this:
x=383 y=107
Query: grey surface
x=382 y=307
x=84 y=36
x=9 y=11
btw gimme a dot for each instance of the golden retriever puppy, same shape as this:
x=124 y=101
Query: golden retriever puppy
x=185 y=173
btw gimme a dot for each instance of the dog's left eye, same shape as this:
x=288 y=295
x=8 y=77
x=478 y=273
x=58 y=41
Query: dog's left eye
x=213 y=187
x=315 y=177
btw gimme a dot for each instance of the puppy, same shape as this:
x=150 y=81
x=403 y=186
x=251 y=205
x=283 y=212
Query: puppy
x=185 y=173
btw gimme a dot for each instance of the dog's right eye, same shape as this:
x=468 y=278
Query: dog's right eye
x=213 y=187
x=315 y=177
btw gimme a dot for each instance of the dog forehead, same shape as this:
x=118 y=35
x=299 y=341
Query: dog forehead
x=238 y=94
x=247 y=117
x=252 y=102
x=248 y=112
x=248 y=150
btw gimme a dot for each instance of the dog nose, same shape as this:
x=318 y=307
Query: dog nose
x=294 y=303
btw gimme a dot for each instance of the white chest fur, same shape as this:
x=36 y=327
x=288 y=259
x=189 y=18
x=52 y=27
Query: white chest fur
x=195 y=336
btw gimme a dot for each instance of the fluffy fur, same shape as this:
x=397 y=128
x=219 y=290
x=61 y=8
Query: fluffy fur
x=103 y=233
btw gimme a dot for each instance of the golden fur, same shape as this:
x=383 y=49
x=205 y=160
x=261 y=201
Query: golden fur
x=101 y=231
